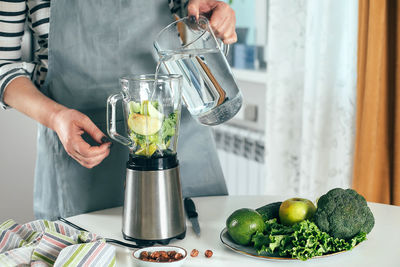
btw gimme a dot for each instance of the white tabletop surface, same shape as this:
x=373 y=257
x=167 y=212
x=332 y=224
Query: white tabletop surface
x=381 y=249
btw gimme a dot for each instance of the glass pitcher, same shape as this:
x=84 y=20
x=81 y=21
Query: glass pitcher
x=152 y=111
x=190 y=48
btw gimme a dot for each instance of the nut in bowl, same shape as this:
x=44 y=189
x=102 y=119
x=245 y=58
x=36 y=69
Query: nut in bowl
x=171 y=256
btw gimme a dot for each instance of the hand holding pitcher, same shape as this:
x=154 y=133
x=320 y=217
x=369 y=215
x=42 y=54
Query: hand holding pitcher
x=222 y=18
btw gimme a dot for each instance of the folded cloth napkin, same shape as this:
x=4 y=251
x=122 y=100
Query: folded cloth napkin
x=46 y=243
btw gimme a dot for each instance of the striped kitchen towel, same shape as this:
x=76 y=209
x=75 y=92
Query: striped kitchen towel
x=45 y=243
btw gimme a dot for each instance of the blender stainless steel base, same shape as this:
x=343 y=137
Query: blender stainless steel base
x=153 y=207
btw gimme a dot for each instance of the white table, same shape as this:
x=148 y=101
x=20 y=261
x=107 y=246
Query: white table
x=381 y=249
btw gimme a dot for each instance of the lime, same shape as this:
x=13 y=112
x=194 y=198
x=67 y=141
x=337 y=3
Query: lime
x=243 y=223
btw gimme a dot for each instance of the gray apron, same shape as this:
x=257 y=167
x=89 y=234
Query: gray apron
x=91 y=44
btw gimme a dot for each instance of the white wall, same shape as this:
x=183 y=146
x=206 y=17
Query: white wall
x=17 y=163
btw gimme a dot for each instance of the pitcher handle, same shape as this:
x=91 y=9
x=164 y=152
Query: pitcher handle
x=112 y=122
x=225 y=48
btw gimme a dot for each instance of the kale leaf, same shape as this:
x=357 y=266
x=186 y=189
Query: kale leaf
x=303 y=240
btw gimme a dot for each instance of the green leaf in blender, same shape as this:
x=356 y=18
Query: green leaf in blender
x=155 y=104
x=168 y=127
x=134 y=107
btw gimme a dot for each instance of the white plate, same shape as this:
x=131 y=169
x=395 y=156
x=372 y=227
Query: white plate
x=252 y=252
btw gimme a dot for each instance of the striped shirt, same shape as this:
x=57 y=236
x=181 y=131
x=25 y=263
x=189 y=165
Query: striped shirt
x=15 y=17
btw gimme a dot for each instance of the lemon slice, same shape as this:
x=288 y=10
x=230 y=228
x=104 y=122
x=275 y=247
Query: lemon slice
x=144 y=125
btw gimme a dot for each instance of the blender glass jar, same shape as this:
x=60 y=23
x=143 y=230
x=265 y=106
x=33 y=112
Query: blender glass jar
x=152 y=110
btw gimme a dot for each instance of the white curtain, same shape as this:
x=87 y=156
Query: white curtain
x=311 y=92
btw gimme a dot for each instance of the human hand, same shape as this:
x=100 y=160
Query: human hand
x=69 y=125
x=221 y=15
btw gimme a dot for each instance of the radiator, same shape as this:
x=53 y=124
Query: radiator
x=241 y=153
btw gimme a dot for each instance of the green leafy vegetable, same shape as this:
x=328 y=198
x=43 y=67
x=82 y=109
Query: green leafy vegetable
x=303 y=240
x=168 y=127
x=134 y=107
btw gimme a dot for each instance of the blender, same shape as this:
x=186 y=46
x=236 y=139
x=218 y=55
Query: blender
x=153 y=206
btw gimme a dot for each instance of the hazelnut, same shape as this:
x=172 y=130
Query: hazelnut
x=208 y=253
x=155 y=254
x=160 y=256
x=171 y=253
x=178 y=256
x=144 y=255
x=194 y=253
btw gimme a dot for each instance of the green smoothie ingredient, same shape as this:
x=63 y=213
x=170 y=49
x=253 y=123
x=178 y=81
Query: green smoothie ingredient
x=303 y=240
x=270 y=211
x=344 y=213
x=294 y=210
x=243 y=224
x=295 y=228
x=149 y=129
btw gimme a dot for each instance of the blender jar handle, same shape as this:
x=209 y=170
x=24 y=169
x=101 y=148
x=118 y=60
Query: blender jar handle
x=112 y=121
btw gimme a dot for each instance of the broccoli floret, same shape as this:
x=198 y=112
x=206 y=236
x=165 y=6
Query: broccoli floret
x=343 y=213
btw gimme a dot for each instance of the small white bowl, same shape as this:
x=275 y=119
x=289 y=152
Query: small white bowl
x=177 y=263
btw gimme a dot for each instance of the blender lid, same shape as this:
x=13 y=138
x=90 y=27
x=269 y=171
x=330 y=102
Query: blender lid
x=154 y=163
